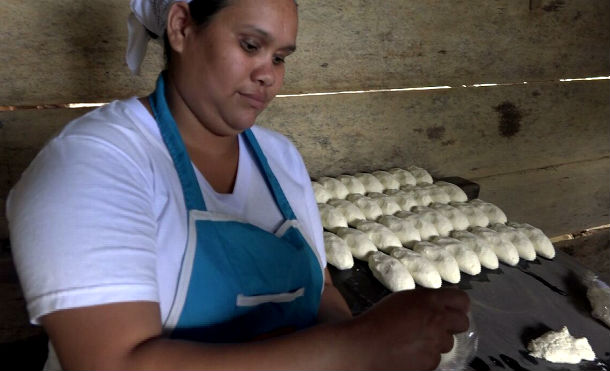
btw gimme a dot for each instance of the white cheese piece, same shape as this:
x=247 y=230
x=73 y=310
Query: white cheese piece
x=337 y=252
x=445 y=263
x=404 y=229
x=476 y=217
x=390 y=272
x=436 y=193
x=493 y=212
x=422 y=270
x=383 y=238
x=369 y=207
x=441 y=223
x=421 y=175
x=425 y=228
x=561 y=347
x=457 y=218
x=320 y=193
x=403 y=176
x=467 y=259
x=405 y=200
x=524 y=246
x=388 y=204
x=386 y=179
x=350 y=211
x=331 y=217
x=352 y=184
x=456 y=193
x=505 y=251
x=357 y=241
x=487 y=257
x=334 y=187
x=542 y=244
x=419 y=194
x=370 y=183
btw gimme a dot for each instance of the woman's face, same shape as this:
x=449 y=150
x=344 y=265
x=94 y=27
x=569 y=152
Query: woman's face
x=230 y=70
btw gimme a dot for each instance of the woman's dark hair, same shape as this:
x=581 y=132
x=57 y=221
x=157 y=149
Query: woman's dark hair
x=202 y=12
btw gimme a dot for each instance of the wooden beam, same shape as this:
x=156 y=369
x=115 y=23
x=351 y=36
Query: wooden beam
x=60 y=51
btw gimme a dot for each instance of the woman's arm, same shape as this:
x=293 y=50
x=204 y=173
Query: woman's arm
x=406 y=330
x=333 y=307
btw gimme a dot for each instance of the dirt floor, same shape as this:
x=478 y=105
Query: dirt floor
x=591 y=249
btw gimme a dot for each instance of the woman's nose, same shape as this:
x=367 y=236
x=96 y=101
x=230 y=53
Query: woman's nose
x=264 y=73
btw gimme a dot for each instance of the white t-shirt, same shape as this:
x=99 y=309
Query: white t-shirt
x=99 y=215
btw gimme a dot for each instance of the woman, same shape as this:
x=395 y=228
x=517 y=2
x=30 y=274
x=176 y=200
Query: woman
x=169 y=233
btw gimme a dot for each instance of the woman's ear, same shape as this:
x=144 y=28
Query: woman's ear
x=178 y=21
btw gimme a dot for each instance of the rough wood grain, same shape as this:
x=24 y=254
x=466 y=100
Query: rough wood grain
x=59 y=51
x=558 y=199
x=474 y=133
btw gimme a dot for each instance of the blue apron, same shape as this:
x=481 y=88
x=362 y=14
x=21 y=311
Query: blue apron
x=237 y=281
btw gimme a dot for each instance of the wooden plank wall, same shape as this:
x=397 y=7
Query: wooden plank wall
x=539 y=150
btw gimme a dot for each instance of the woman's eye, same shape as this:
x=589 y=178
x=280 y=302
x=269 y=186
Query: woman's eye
x=278 y=60
x=248 y=46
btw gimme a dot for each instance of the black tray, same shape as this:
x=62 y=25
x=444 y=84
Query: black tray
x=510 y=306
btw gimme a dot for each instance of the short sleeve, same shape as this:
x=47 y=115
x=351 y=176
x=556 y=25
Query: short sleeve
x=82 y=227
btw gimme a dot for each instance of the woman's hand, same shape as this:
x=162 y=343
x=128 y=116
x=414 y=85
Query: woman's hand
x=409 y=330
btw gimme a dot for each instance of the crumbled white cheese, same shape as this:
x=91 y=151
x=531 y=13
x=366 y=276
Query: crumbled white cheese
x=561 y=347
x=456 y=193
x=419 y=194
x=388 y=204
x=334 y=187
x=331 y=217
x=422 y=270
x=352 y=184
x=390 y=272
x=320 y=193
x=505 y=251
x=542 y=244
x=421 y=175
x=442 y=224
x=404 y=229
x=524 y=246
x=357 y=241
x=403 y=176
x=350 y=211
x=493 y=212
x=458 y=219
x=367 y=205
x=370 y=183
x=425 y=228
x=405 y=200
x=476 y=217
x=383 y=238
x=387 y=179
x=467 y=259
x=480 y=246
x=337 y=252
x=445 y=263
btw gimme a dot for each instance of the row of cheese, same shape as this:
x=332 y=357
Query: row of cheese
x=409 y=222
x=327 y=188
x=399 y=266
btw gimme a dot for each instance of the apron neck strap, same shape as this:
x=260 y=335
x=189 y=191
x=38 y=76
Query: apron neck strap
x=272 y=182
x=173 y=141
x=177 y=150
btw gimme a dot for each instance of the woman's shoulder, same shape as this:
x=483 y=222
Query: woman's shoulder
x=274 y=143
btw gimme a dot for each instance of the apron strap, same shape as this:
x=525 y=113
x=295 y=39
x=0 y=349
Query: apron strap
x=173 y=141
x=272 y=182
x=190 y=186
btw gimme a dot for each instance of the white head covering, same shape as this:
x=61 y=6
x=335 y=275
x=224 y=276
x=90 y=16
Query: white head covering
x=148 y=15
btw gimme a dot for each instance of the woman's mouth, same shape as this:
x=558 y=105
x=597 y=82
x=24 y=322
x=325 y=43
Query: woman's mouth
x=255 y=100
